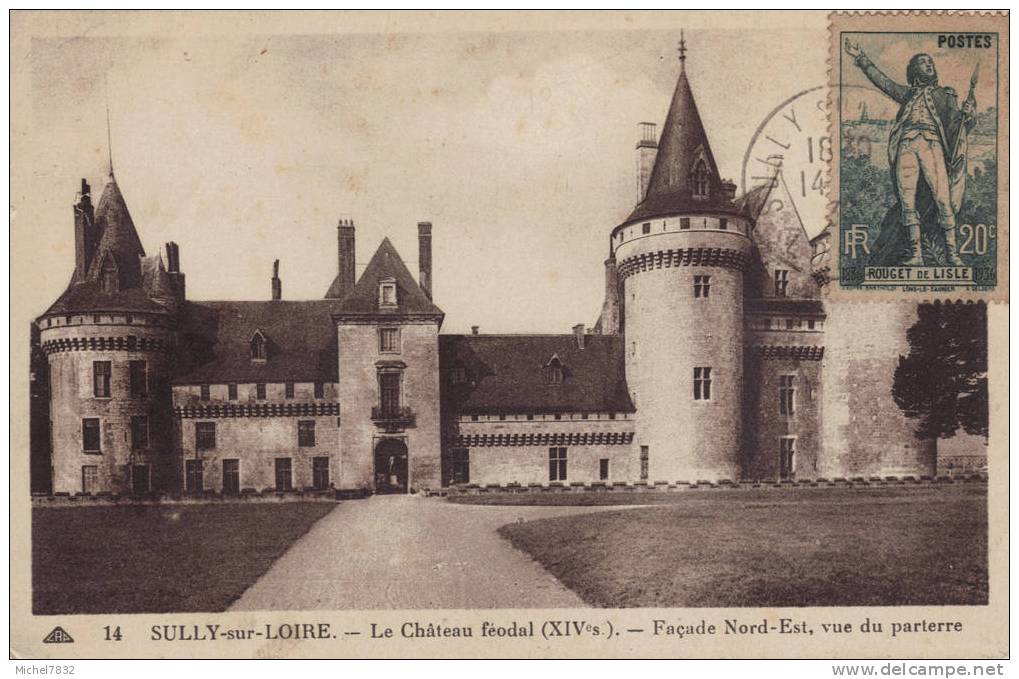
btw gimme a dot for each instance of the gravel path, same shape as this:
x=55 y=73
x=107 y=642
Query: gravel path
x=395 y=552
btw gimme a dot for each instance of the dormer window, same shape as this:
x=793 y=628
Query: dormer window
x=387 y=293
x=699 y=179
x=554 y=371
x=259 y=348
x=109 y=277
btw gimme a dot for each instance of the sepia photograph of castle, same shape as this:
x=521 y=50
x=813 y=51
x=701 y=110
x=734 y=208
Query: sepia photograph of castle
x=460 y=338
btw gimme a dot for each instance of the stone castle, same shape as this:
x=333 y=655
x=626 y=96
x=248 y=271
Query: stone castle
x=717 y=355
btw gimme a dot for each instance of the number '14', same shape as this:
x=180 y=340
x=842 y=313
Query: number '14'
x=112 y=633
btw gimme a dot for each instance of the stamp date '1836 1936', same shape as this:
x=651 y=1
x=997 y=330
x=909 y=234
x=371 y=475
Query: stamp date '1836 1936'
x=919 y=197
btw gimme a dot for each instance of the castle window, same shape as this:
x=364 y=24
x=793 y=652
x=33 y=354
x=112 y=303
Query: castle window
x=645 y=459
x=787 y=454
x=459 y=375
x=90 y=435
x=474 y=418
x=387 y=293
x=502 y=417
x=699 y=180
x=95 y=319
x=684 y=222
x=583 y=416
x=781 y=282
x=260 y=391
x=319 y=390
x=788 y=324
x=723 y=224
x=389 y=394
x=306 y=433
x=701 y=286
x=558 y=416
x=557 y=464
x=320 y=473
x=139 y=432
x=603 y=469
x=258 y=347
x=231 y=391
x=231 y=477
x=612 y=416
x=139 y=379
x=193 y=481
x=101 y=379
x=284 y=473
x=205 y=435
x=461 y=472
x=129 y=319
x=67 y=320
x=288 y=390
x=554 y=371
x=89 y=479
x=786 y=395
x=646 y=228
x=530 y=417
x=109 y=279
x=389 y=340
x=141 y=481
x=206 y=392
x=810 y=324
x=702 y=384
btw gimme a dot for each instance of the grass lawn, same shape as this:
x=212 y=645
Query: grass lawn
x=158 y=558
x=803 y=547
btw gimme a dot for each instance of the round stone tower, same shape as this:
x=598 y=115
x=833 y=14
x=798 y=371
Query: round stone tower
x=108 y=340
x=680 y=256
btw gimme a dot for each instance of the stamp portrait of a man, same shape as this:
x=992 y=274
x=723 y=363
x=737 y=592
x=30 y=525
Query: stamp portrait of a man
x=927 y=148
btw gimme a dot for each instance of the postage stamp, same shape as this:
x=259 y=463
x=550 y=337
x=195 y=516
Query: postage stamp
x=919 y=107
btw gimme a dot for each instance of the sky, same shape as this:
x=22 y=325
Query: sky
x=245 y=138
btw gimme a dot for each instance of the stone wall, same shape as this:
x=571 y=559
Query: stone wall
x=72 y=346
x=669 y=332
x=516 y=450
x=360 y=360
x=770 y=355
x=257 y=440
x=865 y=432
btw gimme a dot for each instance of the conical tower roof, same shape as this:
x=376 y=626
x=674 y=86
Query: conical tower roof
x=119 y=238
x=682 y=148
x=386 y=264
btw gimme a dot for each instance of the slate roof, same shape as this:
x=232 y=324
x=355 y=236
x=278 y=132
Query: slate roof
x=506 y=374
x=118 y=239
x=364 y=298
x=682 y=142
x=216 y=339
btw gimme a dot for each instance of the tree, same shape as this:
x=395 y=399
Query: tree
x=943 y=380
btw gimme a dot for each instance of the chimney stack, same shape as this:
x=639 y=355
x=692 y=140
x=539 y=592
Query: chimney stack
x=474 y=329
x=647 y=151
x=173 y=269
x=84 y=234
x=578 y=333
x=345 y=256
x=277 y=285
x=425 y=257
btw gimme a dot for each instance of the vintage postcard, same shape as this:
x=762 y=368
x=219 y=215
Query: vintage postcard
x=920 y=115
x=383 y=335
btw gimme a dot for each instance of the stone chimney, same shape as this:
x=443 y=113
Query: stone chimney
x=277 y=284
x=173 y=269
x=610 y=320
x=647 y=151
x=345 y=256
x=578 y=333
x=729 y=189
x=425 y=257
x=84 y=232
x=475 y=329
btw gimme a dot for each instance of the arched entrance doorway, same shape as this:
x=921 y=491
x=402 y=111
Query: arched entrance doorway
x=391 y=466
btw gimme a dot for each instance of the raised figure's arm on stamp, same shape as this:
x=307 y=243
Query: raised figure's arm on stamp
x=899 y=93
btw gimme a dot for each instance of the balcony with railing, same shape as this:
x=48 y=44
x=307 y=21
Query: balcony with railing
x=393 y=418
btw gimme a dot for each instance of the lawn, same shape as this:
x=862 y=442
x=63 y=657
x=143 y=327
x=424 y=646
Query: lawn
x=802 y=547
x=154 y=559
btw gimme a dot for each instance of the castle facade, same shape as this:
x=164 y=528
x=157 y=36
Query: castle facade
x=717 y=355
